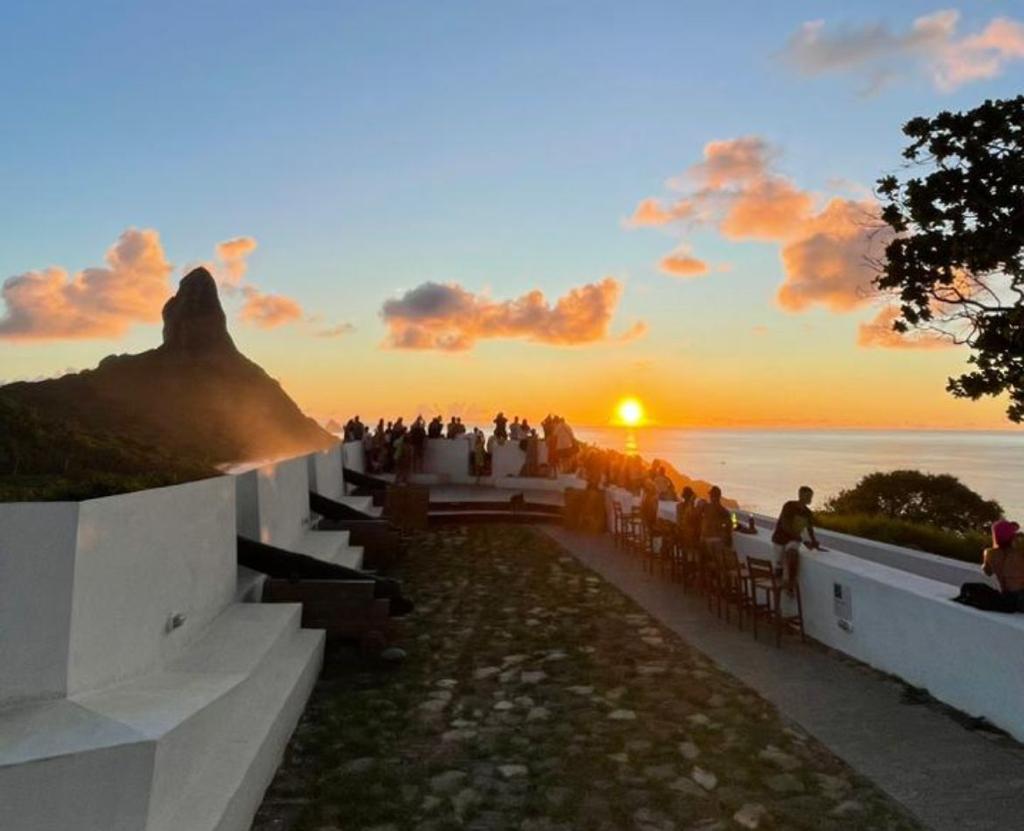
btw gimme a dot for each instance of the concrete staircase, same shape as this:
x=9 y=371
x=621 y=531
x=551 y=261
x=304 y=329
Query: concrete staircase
x=181 y=725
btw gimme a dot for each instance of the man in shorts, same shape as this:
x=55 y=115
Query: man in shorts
x=794 y=519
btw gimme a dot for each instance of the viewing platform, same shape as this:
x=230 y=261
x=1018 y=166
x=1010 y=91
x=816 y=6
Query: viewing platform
x=147 y=688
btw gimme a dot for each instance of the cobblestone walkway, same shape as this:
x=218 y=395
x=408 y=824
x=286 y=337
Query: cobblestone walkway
x=536 y=696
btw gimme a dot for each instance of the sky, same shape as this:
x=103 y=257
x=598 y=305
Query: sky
x=461 y=207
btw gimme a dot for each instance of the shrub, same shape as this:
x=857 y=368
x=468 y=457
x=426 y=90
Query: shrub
x=965 y=546
x=942 y=501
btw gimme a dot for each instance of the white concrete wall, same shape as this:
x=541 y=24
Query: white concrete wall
x=353 y=456
x=88 y=588
x=273 y=502
x=448 y=457
x=140 y=558
x=37 y=561
x=325 y=476
x=507 y=459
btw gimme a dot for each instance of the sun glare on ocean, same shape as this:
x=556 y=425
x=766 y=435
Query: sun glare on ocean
x=630 y=412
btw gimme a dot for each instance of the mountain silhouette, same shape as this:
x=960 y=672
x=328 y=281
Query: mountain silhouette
x=195 y=396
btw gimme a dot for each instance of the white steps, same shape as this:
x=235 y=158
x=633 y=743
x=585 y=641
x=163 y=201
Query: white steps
x=192 y=747
x=331 y=547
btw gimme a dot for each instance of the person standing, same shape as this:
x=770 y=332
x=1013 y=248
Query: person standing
x=795 y=519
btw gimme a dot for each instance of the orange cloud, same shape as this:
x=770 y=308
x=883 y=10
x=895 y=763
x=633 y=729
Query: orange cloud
x=268 y=311
x=931 y=44
x=730 y=161
x=447 y=317
x=261 y=309
x=336 y=331
x=650 y=212
x=99 y=302
x=878 y=333
x=768 y=208
x=828 y=253
x=832 y=258
x=682 y=264
x=233 y=253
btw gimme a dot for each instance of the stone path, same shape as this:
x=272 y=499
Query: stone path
x=538 y=697
x=948 y=776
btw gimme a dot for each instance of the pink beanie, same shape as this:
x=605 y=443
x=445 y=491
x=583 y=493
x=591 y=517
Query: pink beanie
x=1003 y=532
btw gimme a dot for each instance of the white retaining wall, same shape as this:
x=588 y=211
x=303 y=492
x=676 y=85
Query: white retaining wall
x=88 y=587
x=325 y=476
x=448 y=457
x=273 y=502
x=353 y=456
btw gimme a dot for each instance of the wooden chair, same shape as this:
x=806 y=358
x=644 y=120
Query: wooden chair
x=618 y=524
x=658 y=549
x=734 y=584
x=636 y=532
x=711 y=577
x=764 y=579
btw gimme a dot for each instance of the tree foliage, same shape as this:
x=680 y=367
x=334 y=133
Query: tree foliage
x=47 y=458
x=956 y=263
x=942 y=501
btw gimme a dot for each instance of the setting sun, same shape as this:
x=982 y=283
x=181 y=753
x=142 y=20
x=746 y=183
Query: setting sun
x=630 y=412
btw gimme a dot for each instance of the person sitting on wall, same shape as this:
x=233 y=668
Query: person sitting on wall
x=436 y=428
x=1004 y=560
x=715 y=522
x=794 y=519
x=515 y=429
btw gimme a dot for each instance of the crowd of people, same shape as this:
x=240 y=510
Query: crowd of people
x=400 y=448
x=395 y=447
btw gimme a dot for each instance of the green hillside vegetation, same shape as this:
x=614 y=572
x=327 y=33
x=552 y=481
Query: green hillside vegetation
x=938 y=514
x=44 y=458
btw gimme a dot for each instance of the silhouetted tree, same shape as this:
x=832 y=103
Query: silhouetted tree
x=957 y=261
x=940 y=500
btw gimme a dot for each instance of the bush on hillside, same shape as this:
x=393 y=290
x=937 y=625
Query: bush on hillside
x=965 y=546
x=910 y=496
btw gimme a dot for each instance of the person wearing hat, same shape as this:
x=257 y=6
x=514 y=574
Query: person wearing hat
x=1005 y=561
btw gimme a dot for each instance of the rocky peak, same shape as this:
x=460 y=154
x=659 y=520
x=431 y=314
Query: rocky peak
x=194 y=320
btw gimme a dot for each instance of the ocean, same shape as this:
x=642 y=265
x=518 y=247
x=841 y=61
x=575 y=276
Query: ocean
x=761 y=469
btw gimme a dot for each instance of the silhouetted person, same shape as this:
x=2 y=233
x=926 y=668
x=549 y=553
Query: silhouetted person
x=715 y=522
x=795 y=519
